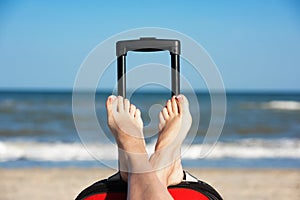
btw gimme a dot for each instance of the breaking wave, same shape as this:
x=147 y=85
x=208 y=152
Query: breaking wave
x=274 y=105
x=57 y=152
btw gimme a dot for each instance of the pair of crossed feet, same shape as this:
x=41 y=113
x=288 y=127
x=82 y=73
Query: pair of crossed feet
x=126 y=125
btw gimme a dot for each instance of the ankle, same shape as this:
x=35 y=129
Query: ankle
x=133 y=145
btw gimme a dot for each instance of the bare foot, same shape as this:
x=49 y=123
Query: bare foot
x=125 y=123
x=175 y=122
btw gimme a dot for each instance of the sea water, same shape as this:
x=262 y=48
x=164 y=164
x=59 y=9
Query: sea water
x=37 y=129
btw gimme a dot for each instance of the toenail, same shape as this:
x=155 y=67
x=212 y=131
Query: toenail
x=111 y=98
x=179 y=97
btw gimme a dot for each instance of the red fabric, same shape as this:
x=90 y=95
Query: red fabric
x=177 y=193
x=184 y=193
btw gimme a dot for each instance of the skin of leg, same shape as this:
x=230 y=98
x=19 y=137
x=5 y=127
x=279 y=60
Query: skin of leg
x=146 y=185
x=120 y=112
x=175 y=122
x=143 y=182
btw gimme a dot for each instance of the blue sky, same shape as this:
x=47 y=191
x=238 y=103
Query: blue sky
x=255 y=44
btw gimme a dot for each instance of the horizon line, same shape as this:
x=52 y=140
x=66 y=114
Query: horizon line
x=70 y=90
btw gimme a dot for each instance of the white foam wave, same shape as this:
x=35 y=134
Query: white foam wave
x=249 y=149
x=274 y=105
x=282 y=105
x=10 y=151
x=246 y=149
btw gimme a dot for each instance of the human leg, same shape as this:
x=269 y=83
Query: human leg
x=126 y=125
x=175 y=122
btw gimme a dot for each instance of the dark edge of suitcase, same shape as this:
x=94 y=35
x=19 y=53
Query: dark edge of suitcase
x=114 y=184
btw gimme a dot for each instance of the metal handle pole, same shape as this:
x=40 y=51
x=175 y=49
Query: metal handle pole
x=175 y=71
x=122 y=75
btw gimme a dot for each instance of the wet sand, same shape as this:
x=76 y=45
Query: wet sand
x=66 y=183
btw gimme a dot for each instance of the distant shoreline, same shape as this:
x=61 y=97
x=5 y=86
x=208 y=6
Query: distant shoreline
x=228 y=92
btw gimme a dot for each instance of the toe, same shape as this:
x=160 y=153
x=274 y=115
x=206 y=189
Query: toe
x=183 y=104
x=137 y=113
x=109 y=103
x=174 y=106
x=160 y=126
x=161 y=118
x=165 y=113
x=120 y=104
x=126 y=105
x=132 y=110
x=138 y=118
x=169 y=107
x=162 y=121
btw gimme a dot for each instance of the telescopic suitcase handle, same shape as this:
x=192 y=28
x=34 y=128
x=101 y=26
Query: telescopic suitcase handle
x=148 y=44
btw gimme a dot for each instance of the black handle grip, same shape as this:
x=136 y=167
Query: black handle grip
x=148 y=45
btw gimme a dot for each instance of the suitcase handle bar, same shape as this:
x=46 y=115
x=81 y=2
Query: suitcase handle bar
x=148 y=44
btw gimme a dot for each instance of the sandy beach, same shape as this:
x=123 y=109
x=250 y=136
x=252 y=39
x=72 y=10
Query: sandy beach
x=65 y=184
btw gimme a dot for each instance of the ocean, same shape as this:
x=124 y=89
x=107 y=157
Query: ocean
x=262 y=130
